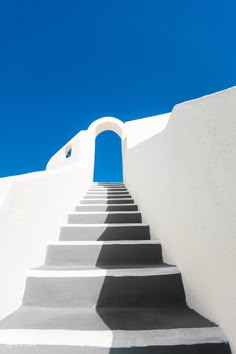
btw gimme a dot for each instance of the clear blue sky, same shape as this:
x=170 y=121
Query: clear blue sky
x=66 y=63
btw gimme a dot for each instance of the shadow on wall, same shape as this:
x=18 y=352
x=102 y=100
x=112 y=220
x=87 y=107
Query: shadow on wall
x=108 y=158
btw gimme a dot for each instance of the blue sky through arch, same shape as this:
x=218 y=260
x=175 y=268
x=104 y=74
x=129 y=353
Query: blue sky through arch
x=108 y=158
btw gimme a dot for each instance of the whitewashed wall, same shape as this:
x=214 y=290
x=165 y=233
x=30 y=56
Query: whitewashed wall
x=32 y=208
x=182 y=173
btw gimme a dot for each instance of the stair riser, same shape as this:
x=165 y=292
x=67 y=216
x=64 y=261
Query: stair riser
x=115 y=318
x=107 y=196
x=108 y=184
x=108 y=189
x=107 y=192
x=108 y=291
x=104 y=255
x=104 y=218
x=107 y=207
x=211 y=348
x=105 y=233
x=106 y=201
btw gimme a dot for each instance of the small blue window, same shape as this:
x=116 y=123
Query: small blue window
x=68 y=153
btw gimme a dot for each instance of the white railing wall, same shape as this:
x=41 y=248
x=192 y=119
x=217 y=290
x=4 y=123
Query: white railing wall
x=184 y=179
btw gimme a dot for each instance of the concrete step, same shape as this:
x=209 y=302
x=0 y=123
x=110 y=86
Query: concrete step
x=106 y=207
x=65 y=346
x=145 y=287
x=107 y=196
x=56 y=330
x=109 y=185
x=109 y=217
x=104 y=232
x=99 y=253
x=107 y=201
x=107 y=192
x=99 y=267
x=108 y=189
x=105 y=318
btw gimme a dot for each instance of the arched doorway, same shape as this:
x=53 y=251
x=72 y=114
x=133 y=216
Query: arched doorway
x=108 y=158
x=107 y=136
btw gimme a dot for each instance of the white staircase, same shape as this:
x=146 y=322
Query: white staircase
x=105 y=289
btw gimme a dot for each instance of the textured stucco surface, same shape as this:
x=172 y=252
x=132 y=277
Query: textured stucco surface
x=183 y=179
x=32 y=207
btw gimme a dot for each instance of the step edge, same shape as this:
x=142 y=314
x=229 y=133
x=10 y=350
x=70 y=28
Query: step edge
x=94 y=273
x=129 y=212
x=114 y=190
x=108 y=187
x=90 y=196
x=103 y=243
x=105 y=225
x=79 y=205
x=113 y=338
x=108 y=198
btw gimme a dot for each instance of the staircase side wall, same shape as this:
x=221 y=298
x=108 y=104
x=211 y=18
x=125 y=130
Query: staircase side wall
x=32 y=208
x=182 y=174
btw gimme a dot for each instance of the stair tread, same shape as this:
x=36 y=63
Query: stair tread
x=107 y=191
x=107 y=267
x=95 y=217
x=105 y=212
x=107 y=201
x=58 y=271
x=101 y=318
x=51 y=348
x=102 y=198
x=99 y=243
x=106 y=204
x=105 y=231
x=104 y=225
x=106 y=207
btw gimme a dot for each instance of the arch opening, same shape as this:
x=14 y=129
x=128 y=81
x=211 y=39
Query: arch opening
x=108 y=157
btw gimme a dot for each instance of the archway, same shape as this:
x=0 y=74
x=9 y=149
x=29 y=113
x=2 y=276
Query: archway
x=108 y=158
x=108 y=133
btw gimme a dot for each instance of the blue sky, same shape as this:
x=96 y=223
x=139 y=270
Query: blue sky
x=66 y=63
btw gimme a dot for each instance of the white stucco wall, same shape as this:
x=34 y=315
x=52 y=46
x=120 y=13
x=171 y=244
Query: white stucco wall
x=32 y=207
x=183 y=178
